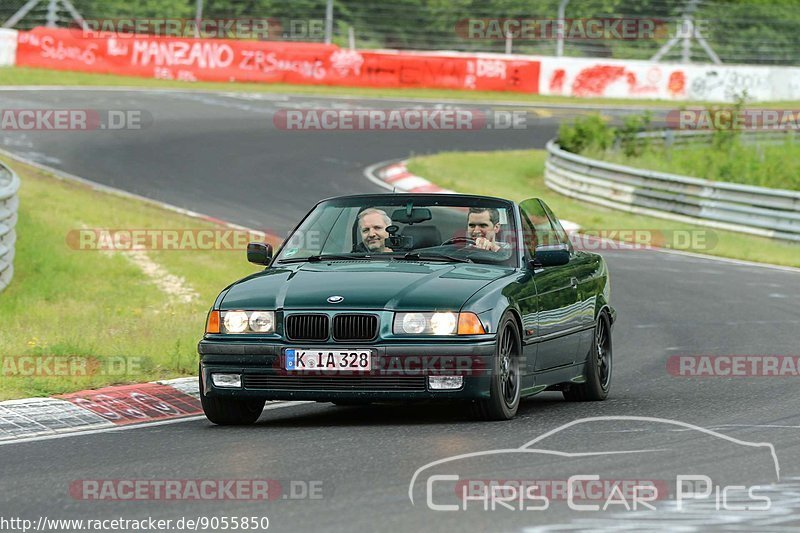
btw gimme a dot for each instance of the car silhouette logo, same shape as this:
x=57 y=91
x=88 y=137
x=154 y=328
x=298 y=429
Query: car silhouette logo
x=335 y=299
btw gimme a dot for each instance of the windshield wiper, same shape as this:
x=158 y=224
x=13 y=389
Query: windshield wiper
x=433 y=256
x=325 y=257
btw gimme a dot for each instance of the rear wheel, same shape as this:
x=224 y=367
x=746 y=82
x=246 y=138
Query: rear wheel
x=230 y=411
x=598 y=366
x=503 y=402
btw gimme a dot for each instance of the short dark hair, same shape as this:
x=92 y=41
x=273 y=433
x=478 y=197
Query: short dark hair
x=494 y=214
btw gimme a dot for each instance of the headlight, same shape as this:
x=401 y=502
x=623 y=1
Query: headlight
x=262 y=321
x=439 y=323
x=414 y=323
x=443 y=323
x=247 y=321
x=235 y=321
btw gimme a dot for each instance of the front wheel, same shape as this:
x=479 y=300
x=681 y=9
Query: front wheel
x=598 y=366
x=503 y=401
x=230 y=411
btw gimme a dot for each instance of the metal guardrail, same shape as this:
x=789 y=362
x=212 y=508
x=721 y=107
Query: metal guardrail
x=9 y=202
x=670 y=138
x=773 y=213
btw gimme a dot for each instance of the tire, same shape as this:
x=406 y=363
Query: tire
x=230 y=411
x=503 y=401
x=598 y=366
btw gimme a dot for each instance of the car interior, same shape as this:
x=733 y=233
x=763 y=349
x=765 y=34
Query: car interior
x=425 y=227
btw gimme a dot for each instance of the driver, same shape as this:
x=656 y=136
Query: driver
x=372 y=224
x=483 y=223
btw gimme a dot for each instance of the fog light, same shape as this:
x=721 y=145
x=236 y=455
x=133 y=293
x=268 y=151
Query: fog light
x=445 y=382
x=231 y=381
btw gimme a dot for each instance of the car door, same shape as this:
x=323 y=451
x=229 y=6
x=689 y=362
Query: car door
x=585 y=267
x=557 y=309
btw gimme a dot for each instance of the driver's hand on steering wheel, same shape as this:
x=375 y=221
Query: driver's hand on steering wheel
x=485 y=244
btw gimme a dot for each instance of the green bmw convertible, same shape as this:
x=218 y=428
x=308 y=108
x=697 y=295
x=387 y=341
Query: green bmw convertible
x=398 y=297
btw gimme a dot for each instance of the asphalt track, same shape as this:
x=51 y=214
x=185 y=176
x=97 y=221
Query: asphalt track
x=221 y=155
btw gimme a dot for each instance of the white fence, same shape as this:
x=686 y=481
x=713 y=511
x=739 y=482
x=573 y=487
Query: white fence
x=8 y=47
x=628 y=78
x=9 y=202
x=773 y=213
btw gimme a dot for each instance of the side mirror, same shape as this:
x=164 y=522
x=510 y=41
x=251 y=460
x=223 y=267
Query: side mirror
x=551 y=255
x=259 y=253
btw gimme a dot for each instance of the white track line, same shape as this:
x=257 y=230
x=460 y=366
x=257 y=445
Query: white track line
x=137 y=426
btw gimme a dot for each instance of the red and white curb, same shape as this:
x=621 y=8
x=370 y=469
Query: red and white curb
x=396 y=177
x=99 y=408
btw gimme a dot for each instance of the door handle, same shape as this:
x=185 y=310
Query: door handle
x=574 y=282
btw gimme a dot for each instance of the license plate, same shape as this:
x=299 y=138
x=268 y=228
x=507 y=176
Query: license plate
x=322 y=359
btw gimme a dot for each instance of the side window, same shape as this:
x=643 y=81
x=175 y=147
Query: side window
x=534 y=216
x=559 y=229
x=528 y=235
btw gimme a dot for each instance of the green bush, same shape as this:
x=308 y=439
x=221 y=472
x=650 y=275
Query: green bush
x=726 y=158
x=591 y=132
x=632 y=125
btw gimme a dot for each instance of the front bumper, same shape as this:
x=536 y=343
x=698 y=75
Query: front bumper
x=399 y=372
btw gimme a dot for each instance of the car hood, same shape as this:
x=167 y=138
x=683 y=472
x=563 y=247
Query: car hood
x=393 y=285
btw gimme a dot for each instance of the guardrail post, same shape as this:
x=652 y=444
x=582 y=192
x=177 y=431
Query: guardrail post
x=9 y=185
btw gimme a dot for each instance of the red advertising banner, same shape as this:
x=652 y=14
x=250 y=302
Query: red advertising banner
x=269 y=62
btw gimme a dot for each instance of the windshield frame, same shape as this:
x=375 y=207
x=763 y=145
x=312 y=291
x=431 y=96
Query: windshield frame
x=418 y=200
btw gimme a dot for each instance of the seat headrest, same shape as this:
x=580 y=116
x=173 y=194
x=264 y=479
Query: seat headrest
x=423 y=236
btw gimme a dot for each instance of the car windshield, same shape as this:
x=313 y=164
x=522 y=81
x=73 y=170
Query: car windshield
x=442 y=228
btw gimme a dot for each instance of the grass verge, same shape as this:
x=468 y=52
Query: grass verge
x=101 y=306
x=519 y=174
x=32 y=76
x=776 y=166
x=723 y=155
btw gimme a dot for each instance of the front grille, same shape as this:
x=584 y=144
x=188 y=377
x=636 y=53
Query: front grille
x=355 y=327
x=306 y=327
x=335 y=383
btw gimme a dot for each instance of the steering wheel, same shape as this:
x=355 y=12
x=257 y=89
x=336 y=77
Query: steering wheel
x=455 y=240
